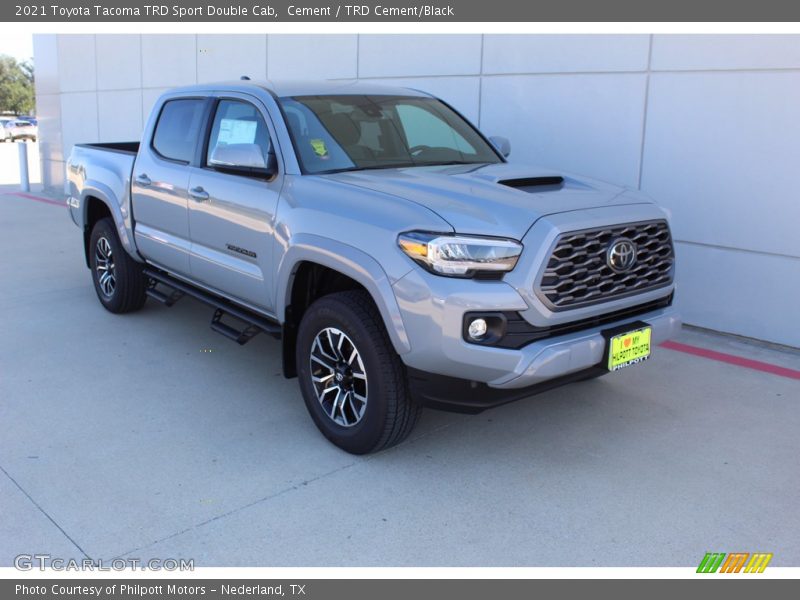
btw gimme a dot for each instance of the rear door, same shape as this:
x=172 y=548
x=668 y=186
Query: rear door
x=160 y=183
x=232 y=202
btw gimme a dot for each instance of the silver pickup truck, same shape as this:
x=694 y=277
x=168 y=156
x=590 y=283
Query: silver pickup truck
x=399 y=257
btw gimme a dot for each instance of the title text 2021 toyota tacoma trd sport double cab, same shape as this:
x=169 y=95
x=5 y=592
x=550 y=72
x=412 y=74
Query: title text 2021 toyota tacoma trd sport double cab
x=389 y=245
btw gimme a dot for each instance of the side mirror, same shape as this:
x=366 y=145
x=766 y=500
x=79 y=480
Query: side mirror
x=272 y=165
x=243 y=156
x=245 y=159
x=502 y=144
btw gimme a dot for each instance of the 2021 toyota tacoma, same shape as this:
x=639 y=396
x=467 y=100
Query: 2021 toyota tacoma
x=390 y=246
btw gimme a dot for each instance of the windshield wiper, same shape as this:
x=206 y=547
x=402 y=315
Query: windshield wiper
x=450 y=163
x=392 y=166
x=368 y=168
x=403 y=166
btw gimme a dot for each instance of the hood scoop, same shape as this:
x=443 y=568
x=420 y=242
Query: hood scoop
x=534 y=185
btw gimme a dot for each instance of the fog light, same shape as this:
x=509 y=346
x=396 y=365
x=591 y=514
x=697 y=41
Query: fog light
x=477 y=329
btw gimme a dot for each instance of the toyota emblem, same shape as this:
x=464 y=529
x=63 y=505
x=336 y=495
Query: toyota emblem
x=621 y=255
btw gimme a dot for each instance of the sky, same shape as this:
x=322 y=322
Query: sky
x=18 y=45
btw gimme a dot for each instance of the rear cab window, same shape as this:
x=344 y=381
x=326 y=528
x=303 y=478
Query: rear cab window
x=176 y=134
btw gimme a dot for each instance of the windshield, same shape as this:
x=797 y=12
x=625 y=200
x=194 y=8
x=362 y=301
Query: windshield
x=350 y=133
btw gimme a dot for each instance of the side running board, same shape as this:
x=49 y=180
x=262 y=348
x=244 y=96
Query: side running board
x=253 y=324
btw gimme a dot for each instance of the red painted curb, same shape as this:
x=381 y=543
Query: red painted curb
x=731 y=359
x=36 y=198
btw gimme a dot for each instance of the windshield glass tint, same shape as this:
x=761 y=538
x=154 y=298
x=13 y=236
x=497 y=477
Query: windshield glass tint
x=339 y=133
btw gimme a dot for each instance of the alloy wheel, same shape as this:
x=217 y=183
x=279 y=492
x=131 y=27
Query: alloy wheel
x=104 y=267
x=338 y=377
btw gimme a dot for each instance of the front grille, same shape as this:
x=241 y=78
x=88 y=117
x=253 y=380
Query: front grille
x=578 y=274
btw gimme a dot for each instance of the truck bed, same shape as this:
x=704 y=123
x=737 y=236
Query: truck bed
x=103 y=171
x=123 y=147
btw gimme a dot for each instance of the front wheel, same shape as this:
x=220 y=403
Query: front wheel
x=119 y=280
x=353 y=382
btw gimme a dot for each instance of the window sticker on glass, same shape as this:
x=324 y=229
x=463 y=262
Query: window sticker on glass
x=319 y=147
x=237 y=131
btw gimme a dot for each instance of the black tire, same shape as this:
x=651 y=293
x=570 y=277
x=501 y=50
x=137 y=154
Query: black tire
x=389 y=413
x=129 y=282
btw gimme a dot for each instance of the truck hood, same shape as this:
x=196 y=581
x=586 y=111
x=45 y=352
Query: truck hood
x=502 y=200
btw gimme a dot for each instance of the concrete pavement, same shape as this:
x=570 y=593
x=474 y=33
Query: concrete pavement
x=148 y=435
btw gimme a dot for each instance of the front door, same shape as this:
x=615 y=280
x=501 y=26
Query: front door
x=233 y=196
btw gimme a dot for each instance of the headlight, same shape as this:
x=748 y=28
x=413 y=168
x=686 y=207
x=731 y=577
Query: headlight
x=460 y=256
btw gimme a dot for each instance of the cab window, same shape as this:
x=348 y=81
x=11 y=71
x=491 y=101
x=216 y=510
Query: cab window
x=239 y=140
x=176 y=133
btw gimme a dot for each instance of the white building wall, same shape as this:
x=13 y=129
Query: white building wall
x=707 y=125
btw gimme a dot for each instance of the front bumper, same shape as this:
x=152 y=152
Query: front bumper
x=540 y=366
x=461 y=395
x=554 y=357
x=433 y=309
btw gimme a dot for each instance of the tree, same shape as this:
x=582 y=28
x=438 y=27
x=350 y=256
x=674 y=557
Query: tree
x=16 y=86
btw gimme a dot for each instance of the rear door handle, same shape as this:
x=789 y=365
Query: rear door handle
x=199 y=194
x=143 y=180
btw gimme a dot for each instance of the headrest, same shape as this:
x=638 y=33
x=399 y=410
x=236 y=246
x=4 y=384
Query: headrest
x=342 y=127
x=294 y=123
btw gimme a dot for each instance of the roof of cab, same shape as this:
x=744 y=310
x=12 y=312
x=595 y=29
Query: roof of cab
x=303 y=88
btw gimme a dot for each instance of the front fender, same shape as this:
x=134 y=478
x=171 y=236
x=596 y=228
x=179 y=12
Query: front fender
x=349 y=261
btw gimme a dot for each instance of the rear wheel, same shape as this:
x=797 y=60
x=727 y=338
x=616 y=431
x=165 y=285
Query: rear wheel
x=352 y=380
x=118 y=280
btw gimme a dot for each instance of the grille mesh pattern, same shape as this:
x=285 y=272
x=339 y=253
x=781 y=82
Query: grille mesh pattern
x=577 y=273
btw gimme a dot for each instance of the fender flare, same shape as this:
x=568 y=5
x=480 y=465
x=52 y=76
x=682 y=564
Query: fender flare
x=349 y=261
x=104 y=194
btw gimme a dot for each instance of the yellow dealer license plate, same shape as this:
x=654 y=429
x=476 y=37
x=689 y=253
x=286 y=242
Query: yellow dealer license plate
x=629 y=348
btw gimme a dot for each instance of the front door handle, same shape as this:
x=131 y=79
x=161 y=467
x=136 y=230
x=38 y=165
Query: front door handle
x=143 y=180
x=199 y=194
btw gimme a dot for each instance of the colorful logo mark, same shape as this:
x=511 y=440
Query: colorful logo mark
x=734 y=562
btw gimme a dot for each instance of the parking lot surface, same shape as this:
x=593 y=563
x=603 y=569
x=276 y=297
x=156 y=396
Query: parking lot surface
x=149 y=435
